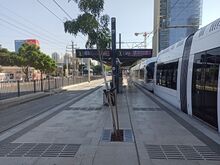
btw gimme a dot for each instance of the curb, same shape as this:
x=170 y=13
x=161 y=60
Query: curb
x=22 y=99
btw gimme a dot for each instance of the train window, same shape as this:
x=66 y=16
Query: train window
x=167 y=75
x=150 y=72
x=141 y=74
x=205 y=85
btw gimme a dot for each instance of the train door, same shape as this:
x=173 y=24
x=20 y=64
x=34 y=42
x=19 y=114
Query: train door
x=205 y=86
x=184 y=72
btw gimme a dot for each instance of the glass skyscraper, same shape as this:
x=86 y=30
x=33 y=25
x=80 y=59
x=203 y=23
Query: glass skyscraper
x=175 y=20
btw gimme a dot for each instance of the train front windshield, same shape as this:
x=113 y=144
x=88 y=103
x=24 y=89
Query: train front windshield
x=150 y=72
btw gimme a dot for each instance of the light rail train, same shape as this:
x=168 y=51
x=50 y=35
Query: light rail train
x=187 y=74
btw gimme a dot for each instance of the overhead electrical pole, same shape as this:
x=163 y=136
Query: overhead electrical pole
x=74 y=60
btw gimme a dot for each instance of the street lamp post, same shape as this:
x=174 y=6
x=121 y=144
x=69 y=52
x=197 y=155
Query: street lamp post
x=145 y=37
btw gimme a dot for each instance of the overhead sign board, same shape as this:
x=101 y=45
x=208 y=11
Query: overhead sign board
x=122 y=53
x=91 y=53
x=134 y=53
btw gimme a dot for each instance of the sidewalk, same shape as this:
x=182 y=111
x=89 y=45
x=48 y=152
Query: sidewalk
x=77 y=136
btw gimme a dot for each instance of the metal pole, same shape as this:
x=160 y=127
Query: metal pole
x=145 y=40
x=67 y=65
x=34 y=86
x=73 y=61
x=113 y=30
x=114 y=68
x=88 y=66
x=19 y=90
x=48 y=82
x=119 y=40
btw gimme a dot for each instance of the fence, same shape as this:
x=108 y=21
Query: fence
x=16 y=89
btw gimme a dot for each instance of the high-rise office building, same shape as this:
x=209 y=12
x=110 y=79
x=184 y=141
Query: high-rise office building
x=56 y=57
x=19 y=43
x=174 y=20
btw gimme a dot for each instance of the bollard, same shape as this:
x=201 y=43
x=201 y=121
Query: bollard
x=41 y=85
x=34 y=86
x=19 y=90
x=55 y=83
x=48 y=83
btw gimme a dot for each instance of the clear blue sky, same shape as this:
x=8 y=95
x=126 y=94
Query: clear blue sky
x=36 y=22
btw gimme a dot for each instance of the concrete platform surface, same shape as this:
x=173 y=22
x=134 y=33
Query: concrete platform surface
x=75 y=136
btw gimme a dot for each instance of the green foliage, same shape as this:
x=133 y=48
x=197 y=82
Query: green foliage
x=97 y=69
x=108 y=68
x=28 y=56
x=8 y=58
x=31 y=56
x=95 y=7
x=90 y=23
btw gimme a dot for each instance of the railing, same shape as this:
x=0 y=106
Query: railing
x=19 y=88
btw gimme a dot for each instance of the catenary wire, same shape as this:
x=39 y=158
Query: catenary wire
x=56 y=15
x=49 y=10
x=62 y=9
x=24 y=30
x=46 y=32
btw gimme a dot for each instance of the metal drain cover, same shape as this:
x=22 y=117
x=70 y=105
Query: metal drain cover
x=126 y=133
x=181 y=152
x=146 y=109
x=84 y=108
x=38 y=150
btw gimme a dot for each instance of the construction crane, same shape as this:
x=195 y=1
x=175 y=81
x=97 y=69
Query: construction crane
x=145 y=37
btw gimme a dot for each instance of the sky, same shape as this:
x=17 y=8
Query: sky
x=28 y=19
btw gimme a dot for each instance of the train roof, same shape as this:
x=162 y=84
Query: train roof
x=207 y=37
x=150 y=60
x=172 y=53
x=136 y=67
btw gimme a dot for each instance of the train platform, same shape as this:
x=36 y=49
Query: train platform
x=79 y=133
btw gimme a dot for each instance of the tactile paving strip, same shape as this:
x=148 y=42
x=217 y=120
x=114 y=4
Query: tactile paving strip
x=181 y=152
x=38 y=150
x=146 y=109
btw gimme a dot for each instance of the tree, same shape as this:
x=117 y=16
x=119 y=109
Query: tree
x=5 y=57
x=90 y=23
x=94 y=25
x=1 y=69
x=45 y=64
x=97 y=69
x=29 y=57
x=8 y=58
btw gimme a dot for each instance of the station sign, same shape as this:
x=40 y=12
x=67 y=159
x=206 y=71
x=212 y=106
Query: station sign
x=134 y=53
x=121 y=53
x=92 y=53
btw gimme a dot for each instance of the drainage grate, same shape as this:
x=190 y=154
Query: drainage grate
x=155 y=152
x=7 y=148
x=85 y=109
x=181 y=152
x=38 y=150
x=146 y=109
x=207 y=153
x=126 y=133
